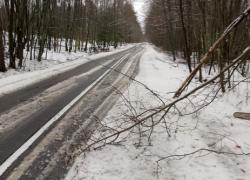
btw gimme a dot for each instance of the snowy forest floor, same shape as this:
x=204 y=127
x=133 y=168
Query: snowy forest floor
x=213 y=127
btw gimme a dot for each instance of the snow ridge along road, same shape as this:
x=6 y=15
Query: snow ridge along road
x=6 y=163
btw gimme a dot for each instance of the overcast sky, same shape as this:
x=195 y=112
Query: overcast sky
x=140 y=9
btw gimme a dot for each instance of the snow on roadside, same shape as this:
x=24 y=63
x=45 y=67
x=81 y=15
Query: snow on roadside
x=213 y=128
x=56 y=63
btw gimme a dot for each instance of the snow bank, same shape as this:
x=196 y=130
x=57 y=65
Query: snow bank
x=213 y=128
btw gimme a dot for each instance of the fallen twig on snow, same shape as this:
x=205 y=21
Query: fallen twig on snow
x=165 y=108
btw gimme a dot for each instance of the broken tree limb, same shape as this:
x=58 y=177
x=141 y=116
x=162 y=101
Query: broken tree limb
x=206 y=150
x=141 y=118
x=205 y=58
x=242 y=115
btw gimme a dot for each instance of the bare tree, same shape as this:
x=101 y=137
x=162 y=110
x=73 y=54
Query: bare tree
x=2 y=62
x=194 y=26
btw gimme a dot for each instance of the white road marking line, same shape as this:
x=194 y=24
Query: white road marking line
x=94 y=69
x=7 y=163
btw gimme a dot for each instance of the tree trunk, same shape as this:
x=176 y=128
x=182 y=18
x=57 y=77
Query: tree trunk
x=168 y=26
x=11 y=37
x=2 y=62
x=185 y=34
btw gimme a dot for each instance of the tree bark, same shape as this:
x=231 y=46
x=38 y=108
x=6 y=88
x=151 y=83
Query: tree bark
x=2 y=62
x=11 y=36
x=185 y=34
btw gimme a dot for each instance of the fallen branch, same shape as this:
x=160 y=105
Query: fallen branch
x=170 y=105
x=205 y=58
x=200 y=150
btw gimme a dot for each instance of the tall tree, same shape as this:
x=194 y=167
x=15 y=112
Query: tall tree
x=185 y=34
x=2 y=62
x=10 y=9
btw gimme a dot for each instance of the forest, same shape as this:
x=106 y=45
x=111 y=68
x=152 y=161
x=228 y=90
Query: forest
x=125 y=89
x=189 y=28
x=33 y=27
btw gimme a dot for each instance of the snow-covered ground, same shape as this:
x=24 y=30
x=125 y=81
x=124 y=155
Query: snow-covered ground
x=212 y=128
x=34 y=71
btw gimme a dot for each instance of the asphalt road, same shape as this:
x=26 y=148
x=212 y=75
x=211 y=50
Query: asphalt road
x=10 y=100
x=10 y=141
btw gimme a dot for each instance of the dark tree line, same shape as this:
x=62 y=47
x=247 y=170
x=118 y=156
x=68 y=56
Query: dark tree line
x=189 y=28
x=36 y=26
